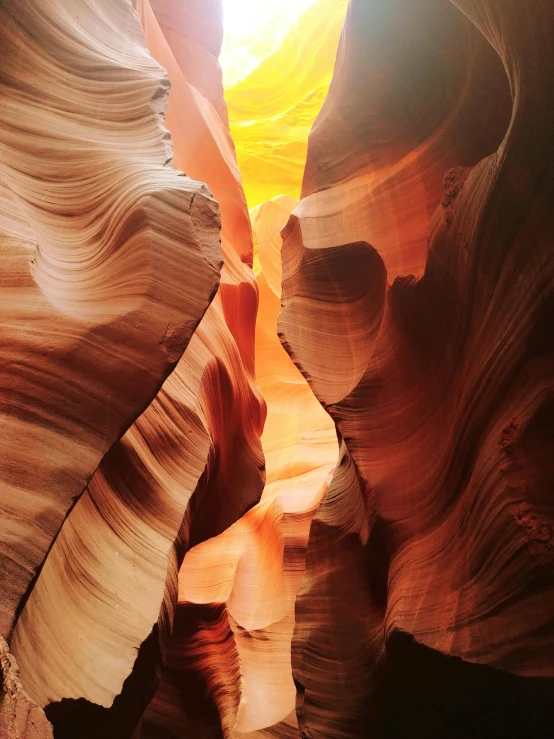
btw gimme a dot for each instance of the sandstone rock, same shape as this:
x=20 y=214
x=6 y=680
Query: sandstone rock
x=99 y=237
x=20 y=718
x=418 y=282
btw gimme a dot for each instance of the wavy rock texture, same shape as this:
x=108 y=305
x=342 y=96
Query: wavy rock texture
x=232 y=644
x=412 y=582
x=228 y=669
x=418 y=294
x=185 y=471
x=256 y=566
x=102 y=609
x=100 y=237
x=234 y=657
x=231 y=648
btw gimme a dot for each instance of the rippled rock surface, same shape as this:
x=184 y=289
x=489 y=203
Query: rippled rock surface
x=418 y=287
x=286 y=472
x=100 y=239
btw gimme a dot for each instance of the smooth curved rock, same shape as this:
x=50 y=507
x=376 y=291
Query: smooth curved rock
x=189 y=466
x=439 y=520
x=99 y=236
x=253 y=569
x=159 y=574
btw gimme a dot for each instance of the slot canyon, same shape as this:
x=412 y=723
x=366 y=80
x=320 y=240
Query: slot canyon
x=277 y=369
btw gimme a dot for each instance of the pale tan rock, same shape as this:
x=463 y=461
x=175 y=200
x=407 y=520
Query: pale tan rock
x=109 y=259
x=188 y=467
x=20 y=718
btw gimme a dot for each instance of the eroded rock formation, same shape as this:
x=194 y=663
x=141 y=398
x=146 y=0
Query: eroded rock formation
x=418 y=278
x=228 y=666
x=97 y=244
x=176 y=528
x=107 y=591
x=235 y=616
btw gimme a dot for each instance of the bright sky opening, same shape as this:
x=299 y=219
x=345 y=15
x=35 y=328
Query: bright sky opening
x=252 y=30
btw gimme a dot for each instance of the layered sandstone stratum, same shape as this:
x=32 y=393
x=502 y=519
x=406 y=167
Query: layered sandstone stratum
x=277 y=434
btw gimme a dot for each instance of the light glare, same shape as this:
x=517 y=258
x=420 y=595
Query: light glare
x=252 y=29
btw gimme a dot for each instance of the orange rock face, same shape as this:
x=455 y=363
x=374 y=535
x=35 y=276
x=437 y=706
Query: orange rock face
x=235 y=616
x=111 y=572
x=97 y=244
x=417 y=299
x=228 y=666
x=186 y=548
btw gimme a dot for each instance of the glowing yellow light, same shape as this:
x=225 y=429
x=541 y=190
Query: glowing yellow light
x=277 y=60
x=253 y=29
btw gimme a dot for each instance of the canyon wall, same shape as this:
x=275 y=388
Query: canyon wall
x=186 y=549
x=131 y=259
x=97 y=243
x=228 y=670
x=418 y=288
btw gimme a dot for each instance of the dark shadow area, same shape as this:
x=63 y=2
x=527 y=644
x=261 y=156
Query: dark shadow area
x=424 y=694
x=184 y=704
x=377 y=558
